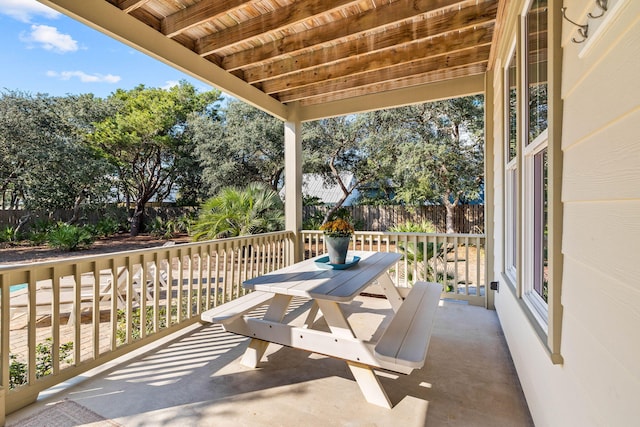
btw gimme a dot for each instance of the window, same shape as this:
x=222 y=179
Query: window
x=535 y=165
x=536 y=70
x=540 y=224
x=531 y=147
x=526 y=165
x=511 y=168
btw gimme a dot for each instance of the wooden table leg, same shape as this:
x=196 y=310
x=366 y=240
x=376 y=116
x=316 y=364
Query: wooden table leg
x=390 y=291
x=276 y=311
x=311 y=317
x=363 y=374
x=369 y=385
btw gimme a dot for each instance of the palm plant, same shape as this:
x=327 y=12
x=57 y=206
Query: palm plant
x=417 y=253
x=236 y=212
x=70 y=237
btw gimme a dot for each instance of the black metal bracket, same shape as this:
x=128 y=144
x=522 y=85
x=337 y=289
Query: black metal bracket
x=583 y=29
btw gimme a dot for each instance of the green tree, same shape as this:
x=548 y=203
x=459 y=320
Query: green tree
x=146 y=140
x=441 y=157
x=244 y=145
x=235 y=212
x=340 y=147
x=430 y=153
x=45 y=161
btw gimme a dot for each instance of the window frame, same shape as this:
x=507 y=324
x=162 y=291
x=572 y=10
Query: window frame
x=538 y=306
x=511 y=171
x=545 y=318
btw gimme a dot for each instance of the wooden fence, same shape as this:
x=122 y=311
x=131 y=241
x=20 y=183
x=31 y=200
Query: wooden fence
x=466 y=219
x=13 y=217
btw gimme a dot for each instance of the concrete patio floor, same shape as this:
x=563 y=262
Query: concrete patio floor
x=195 y=379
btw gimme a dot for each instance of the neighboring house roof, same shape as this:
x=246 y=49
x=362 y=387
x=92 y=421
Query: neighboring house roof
x=314 y=186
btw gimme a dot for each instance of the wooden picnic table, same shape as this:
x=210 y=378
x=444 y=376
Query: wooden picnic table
x=400 y=351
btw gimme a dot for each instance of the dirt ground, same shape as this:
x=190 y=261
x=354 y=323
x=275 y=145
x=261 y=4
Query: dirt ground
x=23 y=253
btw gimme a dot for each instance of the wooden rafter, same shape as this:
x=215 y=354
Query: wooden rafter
x=468 y=56
x=388 y=86
x=463 y=20
x=274 y=20
x=131 y=5
x=197 y=14
x=399 y=56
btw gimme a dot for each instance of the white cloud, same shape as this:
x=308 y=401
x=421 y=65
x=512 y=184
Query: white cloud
x=170 y=83
x=49 y=38
x=84 y=77
x=24 y=10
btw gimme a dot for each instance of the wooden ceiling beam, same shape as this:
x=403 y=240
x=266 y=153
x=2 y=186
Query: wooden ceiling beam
x=398 y=56
x=279 y=18
x=143 y=15
x=379 y=17
x=399 y=84
x=403 y=71
x=476 y=16
x=197 y=14
x=130 y=5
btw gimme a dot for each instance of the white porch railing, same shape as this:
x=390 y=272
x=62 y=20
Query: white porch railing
x=457 y=261
x=108 y=305
x=96 y=304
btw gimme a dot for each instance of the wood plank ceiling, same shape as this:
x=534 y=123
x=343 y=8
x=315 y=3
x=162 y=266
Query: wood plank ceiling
x=317 y=51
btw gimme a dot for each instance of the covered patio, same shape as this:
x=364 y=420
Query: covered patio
x=194 y=378
x=561 y=244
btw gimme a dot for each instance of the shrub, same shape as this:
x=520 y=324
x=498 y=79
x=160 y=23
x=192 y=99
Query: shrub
x=341 y=213
x=44 y=356
x=169 y=228
x=414 y=227
x=236 y=212
x=163 y=320
x=18 y=372
x=107 y=226
x=8 y=234
x=70 y=237
x=417 y=253
x=121 y=330
x=183 y=223
x=39 y=231
x=313 y=222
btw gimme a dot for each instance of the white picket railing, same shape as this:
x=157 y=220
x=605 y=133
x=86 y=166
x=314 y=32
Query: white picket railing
x=457 y=261
x=94 y=304
x=108 y=305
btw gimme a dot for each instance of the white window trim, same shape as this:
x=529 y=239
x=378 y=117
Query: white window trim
x=538 y=307
x=545 y=318
x=511 y=229
x=510 y=182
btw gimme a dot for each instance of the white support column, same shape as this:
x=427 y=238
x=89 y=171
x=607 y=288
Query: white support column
x=293 y=181
x=489 y=210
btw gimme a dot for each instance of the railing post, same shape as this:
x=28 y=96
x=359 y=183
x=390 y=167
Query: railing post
x=2 y=407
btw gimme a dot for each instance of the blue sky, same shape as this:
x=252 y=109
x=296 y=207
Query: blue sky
x=46 y=52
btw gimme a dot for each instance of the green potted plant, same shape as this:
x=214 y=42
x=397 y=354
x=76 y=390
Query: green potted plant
x=337 y=237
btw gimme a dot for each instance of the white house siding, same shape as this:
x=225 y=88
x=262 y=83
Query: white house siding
x=599 y=381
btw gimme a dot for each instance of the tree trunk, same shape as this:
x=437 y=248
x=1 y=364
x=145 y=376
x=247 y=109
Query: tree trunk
x=450 y=210
x=450 y=206
x=137 y=220
x=76 y=208
x=335 y=207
